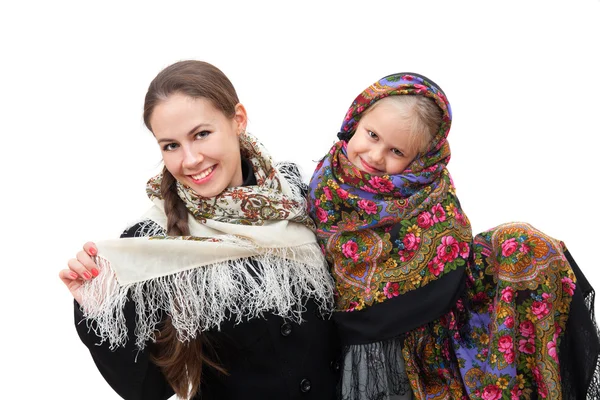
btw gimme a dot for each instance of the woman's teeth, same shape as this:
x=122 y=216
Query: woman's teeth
x=203 y=174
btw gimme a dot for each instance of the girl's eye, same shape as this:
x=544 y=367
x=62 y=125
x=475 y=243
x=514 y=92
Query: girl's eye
x=170 y=146
x=372 y=134
x=398 y=152
x=202 y=134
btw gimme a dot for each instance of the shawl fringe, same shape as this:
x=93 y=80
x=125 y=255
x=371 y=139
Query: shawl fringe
x=278 y=281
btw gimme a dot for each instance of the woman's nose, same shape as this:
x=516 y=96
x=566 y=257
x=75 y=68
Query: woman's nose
x=191 y=158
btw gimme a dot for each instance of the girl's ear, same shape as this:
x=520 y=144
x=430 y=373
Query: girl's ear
x=241 y=118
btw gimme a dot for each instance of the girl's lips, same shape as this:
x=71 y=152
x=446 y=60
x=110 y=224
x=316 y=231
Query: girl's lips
x=205 y=178
x=370 y=169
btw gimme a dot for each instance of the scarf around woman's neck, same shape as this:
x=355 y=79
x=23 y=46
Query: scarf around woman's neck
x=251 y=250
x=386 y=236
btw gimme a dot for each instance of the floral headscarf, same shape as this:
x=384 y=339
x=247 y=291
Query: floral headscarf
x=391 y=234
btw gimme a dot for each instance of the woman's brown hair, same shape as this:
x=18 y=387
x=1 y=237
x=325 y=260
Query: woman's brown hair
x=182 y=362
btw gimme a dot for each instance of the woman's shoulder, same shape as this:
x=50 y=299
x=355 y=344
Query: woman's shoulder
x=143 y=228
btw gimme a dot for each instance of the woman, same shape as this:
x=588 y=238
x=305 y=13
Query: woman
x=220 y=291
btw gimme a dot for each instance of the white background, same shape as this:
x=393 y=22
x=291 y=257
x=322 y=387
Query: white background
x=521 y=76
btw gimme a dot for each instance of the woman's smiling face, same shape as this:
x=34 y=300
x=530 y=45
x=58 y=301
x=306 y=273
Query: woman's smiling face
x=199 y=144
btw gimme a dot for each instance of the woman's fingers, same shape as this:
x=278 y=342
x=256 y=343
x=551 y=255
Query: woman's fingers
x=68 y=276
x=90 y=248
x=83 y=266
x=88 y=262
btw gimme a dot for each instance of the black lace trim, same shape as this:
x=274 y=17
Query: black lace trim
x=374 y=371
x=593 y=391
x=579 y=348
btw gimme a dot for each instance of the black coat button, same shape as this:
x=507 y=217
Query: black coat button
x=335 y=366
x=286 y=329
x=305 y=385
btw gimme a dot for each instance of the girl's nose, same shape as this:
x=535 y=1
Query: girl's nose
x=376 y=155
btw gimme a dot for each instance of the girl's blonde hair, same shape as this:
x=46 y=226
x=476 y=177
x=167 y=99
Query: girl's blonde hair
x=421 y=113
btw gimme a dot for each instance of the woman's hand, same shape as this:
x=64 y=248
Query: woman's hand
x=81 y=269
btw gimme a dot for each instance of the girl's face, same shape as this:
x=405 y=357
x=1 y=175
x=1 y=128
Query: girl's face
x=381 y=143
x=199 y=144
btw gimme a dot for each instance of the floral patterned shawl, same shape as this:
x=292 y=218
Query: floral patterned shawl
x=427 y=312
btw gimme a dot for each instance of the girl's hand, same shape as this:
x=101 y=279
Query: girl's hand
x=81 y=269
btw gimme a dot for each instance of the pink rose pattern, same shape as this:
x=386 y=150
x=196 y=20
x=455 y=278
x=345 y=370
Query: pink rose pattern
x=368 y=206
x=425 y=220
x=508 y=247
x=350 y=250
x=383 y=185
x=391 y=290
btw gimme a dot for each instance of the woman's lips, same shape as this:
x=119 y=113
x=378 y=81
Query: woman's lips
x=203 y=176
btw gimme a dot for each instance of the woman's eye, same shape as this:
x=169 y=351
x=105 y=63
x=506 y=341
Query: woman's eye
x=398 y=152
x=372 y=134
x=170 y=146
x=202 y=134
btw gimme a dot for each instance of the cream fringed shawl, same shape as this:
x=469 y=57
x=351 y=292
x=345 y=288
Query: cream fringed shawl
x=252 y=250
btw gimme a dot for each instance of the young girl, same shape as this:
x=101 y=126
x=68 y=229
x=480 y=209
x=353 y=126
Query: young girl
x=425 y=310
x=220 y=291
